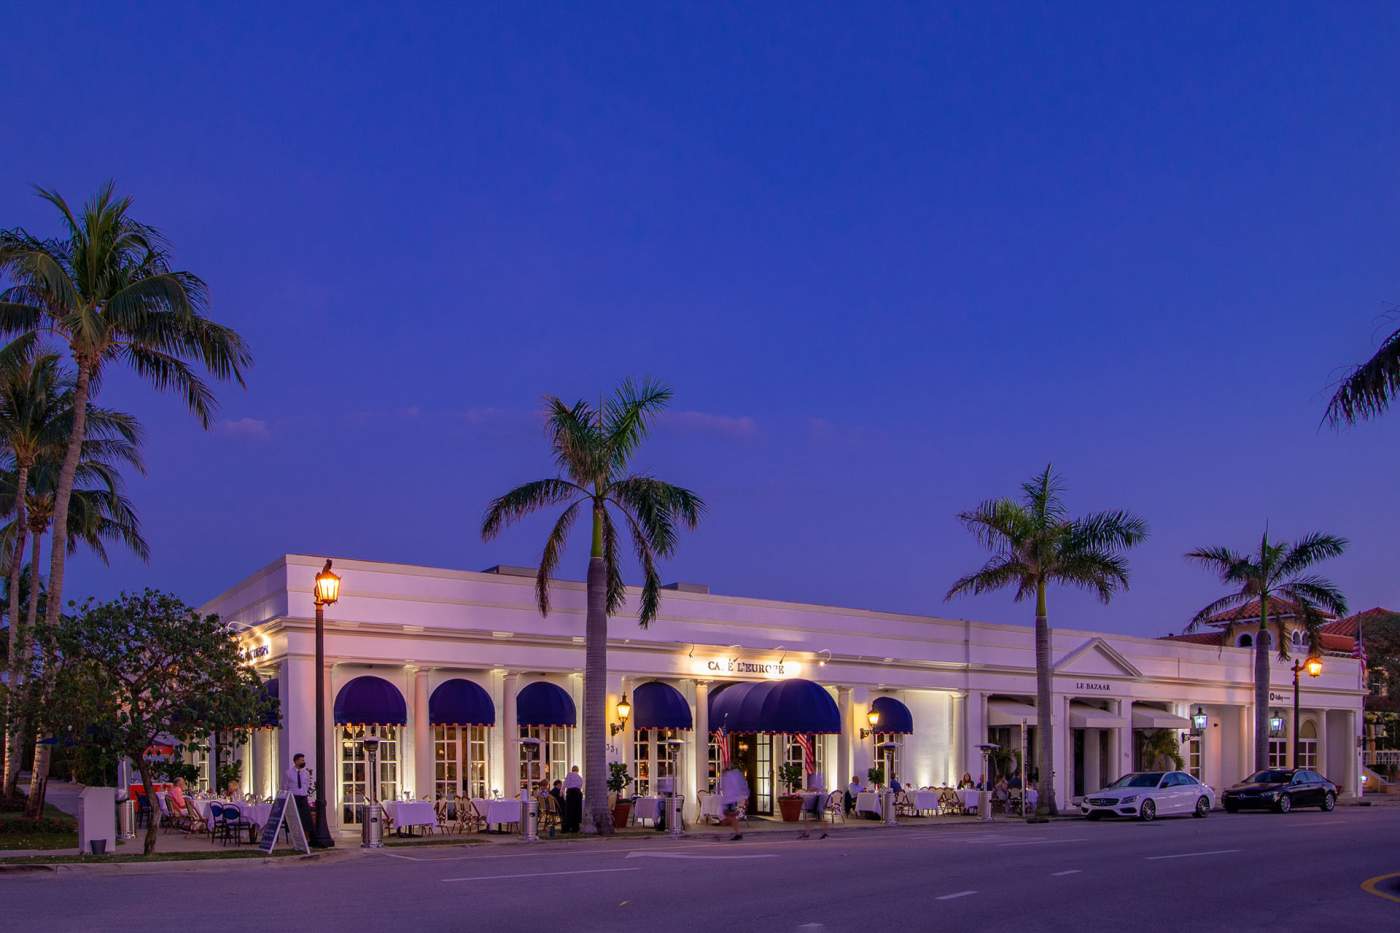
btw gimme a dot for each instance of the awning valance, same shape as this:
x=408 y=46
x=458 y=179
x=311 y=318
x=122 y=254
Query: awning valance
x=1149 y=717
x=1009 y=713
x=370 y=701
x=545 y=704
x=894 y=716
x=1087 y=716
x=272 y=715
x=461 y=702
x=775 y=706
x=659 y=706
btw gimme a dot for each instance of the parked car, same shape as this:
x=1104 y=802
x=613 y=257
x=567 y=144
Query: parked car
x=1147 y=795
x=1281 y=789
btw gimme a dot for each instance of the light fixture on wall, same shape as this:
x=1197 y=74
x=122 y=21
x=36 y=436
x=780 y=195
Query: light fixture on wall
x=872 y=717
x=1275 y=724
x=823 y=656
x=624 y=710
x=1198 y=720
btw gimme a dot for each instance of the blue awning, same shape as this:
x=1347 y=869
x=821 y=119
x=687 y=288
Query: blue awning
x=793 y=706
x=545 y=704
x=894 y=716
x=370 y=701
x=459 y=702
x=659 y=706
x=272 y=715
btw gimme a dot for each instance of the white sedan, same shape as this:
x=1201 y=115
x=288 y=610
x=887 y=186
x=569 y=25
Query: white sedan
x=1147 y=795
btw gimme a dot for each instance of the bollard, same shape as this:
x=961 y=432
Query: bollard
x=527 y=818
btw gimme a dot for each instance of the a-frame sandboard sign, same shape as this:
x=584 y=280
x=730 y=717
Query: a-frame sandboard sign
x=284 y=817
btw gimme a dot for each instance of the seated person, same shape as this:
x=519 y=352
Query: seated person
x=1001 y=790
x=895 y=785
x=179 y=806
x=1015 y=782
x=852 y=789
x=965 y=782
x=233 y=792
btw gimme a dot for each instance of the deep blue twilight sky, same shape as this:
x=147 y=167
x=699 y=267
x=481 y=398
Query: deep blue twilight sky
x=891 y=264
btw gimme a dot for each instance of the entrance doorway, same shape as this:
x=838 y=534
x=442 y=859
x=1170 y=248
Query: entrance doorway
x=754 y=756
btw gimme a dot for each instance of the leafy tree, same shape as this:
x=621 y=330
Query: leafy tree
x=1158 y=749
x=1275 y=570
x=593 y=448
x=145 y=666
x=107 y=289
x=1035 y=543
x=36 y=417
x=1368 y=390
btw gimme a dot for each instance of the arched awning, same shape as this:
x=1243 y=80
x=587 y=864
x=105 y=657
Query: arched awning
x=894 y=716
x=545 y=704
x=370 y=701
x=1150 y=717
x=272 y=716
x=775 y=706
x=461 y=702
x=659 y=706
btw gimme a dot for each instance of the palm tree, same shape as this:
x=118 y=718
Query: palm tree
x=36 y=415
x=108 y=291
x=1035 y=543
x=1370 y=388
x=593 y=449
x=1276 y=571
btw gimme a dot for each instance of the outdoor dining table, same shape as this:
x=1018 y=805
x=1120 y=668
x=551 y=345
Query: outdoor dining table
x=924 y=800
x=969 y=797
x=256 y=813
x=868 y=802
x=497 y=812
x=711 y=807
x=646 y=808
x=410 y=813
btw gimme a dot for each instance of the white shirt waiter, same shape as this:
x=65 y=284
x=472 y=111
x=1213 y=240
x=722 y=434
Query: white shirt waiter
x=297 y=780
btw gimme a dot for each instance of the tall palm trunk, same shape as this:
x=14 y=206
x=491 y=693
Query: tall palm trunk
x=1261 y=688
x=14 y=730
x=58 y=552
x=595 y=688
x=1045 y=739
x=27 y=643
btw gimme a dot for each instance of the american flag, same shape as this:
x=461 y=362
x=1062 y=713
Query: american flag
x=722 y=740
x=809 y=755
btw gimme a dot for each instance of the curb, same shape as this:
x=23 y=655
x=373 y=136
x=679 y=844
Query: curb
x=165 y=866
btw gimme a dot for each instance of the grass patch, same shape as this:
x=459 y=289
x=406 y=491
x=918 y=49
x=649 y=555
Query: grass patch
x=156 y=856
x=54 y=830
x=393 y=842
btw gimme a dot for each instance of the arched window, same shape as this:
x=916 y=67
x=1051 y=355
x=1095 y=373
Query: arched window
x=1298 y=638
x=1307 y=744
x=1245 y=640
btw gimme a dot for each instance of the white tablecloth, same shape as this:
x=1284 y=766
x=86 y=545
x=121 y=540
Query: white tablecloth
x=969 y=796
x=924 y=799
x=868 y=802
x=646 y=808
x=256 y=813
x=407 y=813
x=498 y=812
x=711 y=807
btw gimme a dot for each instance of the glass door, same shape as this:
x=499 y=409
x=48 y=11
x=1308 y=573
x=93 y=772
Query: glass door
x=354 y=765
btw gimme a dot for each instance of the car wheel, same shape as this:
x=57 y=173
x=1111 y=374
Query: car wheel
x=1329 y=803
x=1148 y=812
x=1231 y=808
x=1202 y=808
x=1285 y=803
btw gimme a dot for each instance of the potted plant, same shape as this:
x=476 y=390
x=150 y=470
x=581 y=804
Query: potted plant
x=790 y=776
x=618 y=778
x=876 y=776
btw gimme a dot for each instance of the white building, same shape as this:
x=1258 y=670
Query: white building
x=453 y=667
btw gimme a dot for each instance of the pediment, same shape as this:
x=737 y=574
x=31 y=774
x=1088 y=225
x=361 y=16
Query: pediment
x=1096 y=657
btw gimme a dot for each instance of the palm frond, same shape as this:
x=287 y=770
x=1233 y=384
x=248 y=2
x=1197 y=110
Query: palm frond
x=627 y=417
x=1229 y=565
x=1228 y=601
x=578 y=446
x=1101 y=572
x=1106 y=530
x=998 y=524
x=997 y=573
x=553 y=548
x=651 y=581
x=612 y=561
x=1315 y=591
x=658 y=506
x=1308 y=550
x=1368 y=390
x=506 y=510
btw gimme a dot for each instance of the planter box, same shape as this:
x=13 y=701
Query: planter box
x=622 y=812
x=791 y=808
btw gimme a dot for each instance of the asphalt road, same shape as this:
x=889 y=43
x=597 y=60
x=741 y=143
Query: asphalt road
x=1237 y=873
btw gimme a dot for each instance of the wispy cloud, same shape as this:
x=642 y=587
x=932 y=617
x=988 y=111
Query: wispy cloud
x=250 y=428
x=731 y=425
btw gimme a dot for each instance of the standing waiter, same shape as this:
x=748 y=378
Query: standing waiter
x=297 y=782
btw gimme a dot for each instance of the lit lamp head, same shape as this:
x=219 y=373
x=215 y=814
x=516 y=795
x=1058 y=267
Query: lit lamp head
x=327 y=589
x=1275 y=724
x=1313 y=665
x=1198 y=720
x=624 y=710
x=872 y=717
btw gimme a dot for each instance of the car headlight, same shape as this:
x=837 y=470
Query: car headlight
x=1272 y=795
x=1128 y=799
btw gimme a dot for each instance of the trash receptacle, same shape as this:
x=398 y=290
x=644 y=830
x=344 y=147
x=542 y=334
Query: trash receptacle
x=126 y=819
x=372 y=829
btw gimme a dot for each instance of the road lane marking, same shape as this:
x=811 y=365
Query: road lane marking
x=686 y=855
x=1158 y=858
x=949 y=897
x=542 y=874
x=1061 y=874
x=1038 y=842
x=1370 y=885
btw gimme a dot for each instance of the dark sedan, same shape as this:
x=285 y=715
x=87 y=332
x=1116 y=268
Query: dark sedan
x=1281 y=789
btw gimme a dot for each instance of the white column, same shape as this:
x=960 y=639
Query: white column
x=1120 y=743
x=700 y=740
x=974 y=733
x=422 y=738
x=957 y=741
x=844 y=764
x=1322 y=741
x=510 y=736
x=1353 y=756
x=1062 y=757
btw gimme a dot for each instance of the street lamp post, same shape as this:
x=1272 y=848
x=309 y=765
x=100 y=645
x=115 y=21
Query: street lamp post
x=1313 y=665
x=326 y=592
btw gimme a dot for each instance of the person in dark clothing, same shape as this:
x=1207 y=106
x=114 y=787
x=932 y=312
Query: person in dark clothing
x=573 y=801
